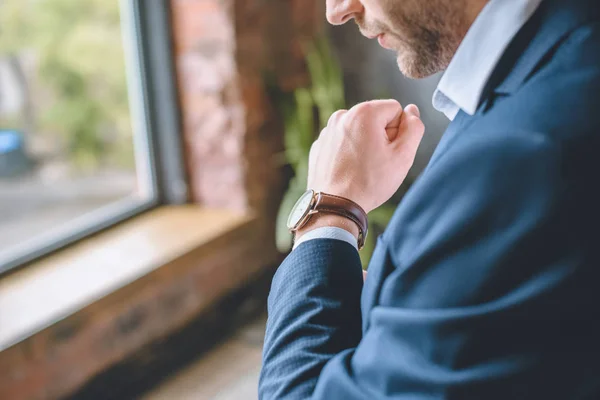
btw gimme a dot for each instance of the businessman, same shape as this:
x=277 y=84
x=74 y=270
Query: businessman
x=486 y=283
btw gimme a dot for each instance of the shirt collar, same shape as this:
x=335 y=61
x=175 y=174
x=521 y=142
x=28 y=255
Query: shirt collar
x=463 y=82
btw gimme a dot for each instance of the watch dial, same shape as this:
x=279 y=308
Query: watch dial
x=300 y=209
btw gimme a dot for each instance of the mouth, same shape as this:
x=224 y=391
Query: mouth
x=381 y=39
x=367 y=34
x=379 y=36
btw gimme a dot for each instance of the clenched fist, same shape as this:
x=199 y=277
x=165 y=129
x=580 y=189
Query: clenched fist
x=364 y=154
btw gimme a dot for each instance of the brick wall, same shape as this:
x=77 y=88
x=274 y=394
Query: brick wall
x=226 y=53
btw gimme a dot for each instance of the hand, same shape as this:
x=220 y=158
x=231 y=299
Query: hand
x=364 y=154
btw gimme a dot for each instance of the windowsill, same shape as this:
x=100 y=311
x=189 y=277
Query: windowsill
x=62 y=284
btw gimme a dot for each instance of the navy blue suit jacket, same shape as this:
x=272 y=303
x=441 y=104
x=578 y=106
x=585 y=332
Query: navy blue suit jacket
x=486 y=284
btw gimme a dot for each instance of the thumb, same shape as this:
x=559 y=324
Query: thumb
x=411 y=129
x=393 y=126
x=412 y=109
x=389 y=116
x=387 y=113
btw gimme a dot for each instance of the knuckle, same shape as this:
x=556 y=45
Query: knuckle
x=335 y=117
x=350 y=121
x=363 y=108
x=314 y=147
x=356 y=116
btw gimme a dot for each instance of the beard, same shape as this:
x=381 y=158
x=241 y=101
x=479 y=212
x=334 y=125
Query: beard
x=424 y=34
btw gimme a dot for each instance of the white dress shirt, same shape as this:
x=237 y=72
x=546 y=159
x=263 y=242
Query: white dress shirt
x=463 y=82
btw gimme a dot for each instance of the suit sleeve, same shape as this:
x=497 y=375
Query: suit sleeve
x=314 y=314
x=489 y=283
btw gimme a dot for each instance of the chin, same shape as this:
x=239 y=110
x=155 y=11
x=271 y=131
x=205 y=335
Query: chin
x=408 y=68
x=414 y=66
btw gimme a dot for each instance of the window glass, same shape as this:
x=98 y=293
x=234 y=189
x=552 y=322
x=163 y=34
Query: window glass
x=67 y=147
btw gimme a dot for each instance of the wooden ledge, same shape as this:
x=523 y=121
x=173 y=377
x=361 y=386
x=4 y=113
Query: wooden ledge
x=73 y=314
x=67 y=281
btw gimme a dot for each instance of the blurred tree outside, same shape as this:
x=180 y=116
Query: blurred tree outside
x=67 y=59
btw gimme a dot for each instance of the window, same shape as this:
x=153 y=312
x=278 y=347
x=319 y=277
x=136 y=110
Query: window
x=83 y=141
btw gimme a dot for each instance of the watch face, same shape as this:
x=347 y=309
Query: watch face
x=300 y=210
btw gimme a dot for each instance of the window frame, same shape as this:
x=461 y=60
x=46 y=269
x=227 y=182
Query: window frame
x=158 y=144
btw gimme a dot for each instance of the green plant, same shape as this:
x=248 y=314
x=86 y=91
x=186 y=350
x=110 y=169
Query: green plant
x=305 y=115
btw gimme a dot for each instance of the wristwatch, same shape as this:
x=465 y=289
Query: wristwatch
x=311 y=203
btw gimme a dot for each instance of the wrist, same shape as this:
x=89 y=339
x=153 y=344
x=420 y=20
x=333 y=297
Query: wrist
x=322 y=220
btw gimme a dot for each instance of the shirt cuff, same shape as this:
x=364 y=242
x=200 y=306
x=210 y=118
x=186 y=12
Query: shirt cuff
x=328 y=233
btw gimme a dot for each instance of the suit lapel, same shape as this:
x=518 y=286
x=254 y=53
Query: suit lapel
x=537 y=42
x=533 y=46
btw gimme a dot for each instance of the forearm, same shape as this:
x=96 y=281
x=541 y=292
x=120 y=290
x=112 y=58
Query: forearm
x=314 y=314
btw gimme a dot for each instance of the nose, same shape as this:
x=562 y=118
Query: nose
x=341 y=11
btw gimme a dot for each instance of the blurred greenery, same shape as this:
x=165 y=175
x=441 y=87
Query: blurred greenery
x=305 y=115
x=79 y=88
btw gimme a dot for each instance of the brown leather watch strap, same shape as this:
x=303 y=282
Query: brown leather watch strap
x=346 y=208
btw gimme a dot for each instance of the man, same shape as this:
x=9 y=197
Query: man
x=486 y=283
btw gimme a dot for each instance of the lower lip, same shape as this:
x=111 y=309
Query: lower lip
x=381 y=42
